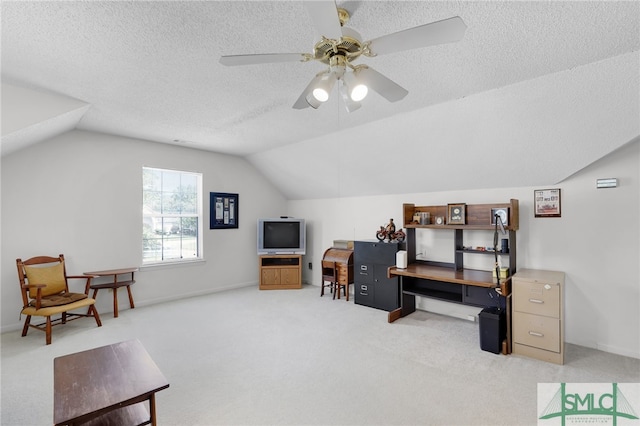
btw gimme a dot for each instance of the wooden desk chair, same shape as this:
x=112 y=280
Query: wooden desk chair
x=329 y=274
x=341 y=285
x=45 y=292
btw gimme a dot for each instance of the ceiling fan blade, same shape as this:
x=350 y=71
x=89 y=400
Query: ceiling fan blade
x=302 y=103
x=387 y=88
x=324 y=15
x=440 y=32
x=266 y=58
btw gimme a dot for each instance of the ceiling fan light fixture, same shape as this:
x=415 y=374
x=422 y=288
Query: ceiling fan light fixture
x=312 y=101
x=306 y=98
x=355 y=86
x=359 y=92
x=349 y=103
x=323 y=87
x=320 y=94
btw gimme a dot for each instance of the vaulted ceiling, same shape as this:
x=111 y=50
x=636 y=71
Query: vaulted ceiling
x=535 y=91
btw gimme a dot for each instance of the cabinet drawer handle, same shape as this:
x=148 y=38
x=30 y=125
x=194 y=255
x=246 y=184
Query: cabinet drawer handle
x=364 y=294
x=536 y=301
x=535 y=333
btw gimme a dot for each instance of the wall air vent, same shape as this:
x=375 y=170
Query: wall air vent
x=606 y=183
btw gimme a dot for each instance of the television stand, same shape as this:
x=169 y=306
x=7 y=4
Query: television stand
x=280 y=271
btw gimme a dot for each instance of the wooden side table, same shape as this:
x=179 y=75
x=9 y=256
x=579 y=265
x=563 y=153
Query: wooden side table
x=115 y=285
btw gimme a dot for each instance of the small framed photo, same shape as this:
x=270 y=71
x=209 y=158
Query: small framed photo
x=547 y=202
x=502 y=213
x=456 y=214
x=223 y=210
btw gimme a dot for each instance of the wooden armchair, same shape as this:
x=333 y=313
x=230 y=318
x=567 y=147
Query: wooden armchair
x=45 y=292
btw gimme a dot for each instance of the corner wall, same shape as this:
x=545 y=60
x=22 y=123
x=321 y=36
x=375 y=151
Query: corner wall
x=595 y=242
x=80 y=194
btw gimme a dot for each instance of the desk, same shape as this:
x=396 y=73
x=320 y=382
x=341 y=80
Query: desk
x=106 y=385
x=446 y=274
x=465 y=286
x=343 y=259
x=114 y=285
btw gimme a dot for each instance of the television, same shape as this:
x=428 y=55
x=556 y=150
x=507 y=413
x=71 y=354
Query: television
x=284 y=235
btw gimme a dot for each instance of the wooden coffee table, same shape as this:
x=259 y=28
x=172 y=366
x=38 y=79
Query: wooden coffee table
x=106 y=386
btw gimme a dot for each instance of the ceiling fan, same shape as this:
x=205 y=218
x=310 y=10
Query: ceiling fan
x=340 y=46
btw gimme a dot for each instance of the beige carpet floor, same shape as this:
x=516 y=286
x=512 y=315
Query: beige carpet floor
x=250 y=357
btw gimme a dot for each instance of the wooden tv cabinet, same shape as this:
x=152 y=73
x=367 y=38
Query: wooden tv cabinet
x=280 y=271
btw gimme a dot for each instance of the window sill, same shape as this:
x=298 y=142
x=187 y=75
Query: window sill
x=151 y=266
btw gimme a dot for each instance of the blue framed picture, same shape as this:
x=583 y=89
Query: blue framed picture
x=223 y=210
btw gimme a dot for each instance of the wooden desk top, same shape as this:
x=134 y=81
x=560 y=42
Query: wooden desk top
x=438 y=273
x=90 y=383
x=112 y=271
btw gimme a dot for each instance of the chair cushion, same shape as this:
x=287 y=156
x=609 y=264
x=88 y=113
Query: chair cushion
x=53 y=310
x=58 y=299
x=52 y=276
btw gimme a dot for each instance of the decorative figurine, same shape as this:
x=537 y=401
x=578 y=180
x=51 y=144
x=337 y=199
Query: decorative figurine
x=389 y=232
x=391 y=227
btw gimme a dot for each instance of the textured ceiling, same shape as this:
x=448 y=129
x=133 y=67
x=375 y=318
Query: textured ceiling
x=150 y=70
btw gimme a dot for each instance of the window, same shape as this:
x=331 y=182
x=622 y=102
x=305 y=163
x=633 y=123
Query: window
x=171 y=215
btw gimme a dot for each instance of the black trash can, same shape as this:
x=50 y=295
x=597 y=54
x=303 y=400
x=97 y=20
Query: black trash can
x=493 y=329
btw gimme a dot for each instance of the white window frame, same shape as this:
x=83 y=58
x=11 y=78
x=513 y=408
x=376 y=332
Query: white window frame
x=153 y=218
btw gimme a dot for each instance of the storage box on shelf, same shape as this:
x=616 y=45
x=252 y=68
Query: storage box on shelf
x=538 y=314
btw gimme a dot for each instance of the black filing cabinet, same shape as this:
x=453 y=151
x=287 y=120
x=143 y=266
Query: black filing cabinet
x=371 y=260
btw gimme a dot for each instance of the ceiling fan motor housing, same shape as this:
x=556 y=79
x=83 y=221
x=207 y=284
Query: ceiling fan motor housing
x=349 y=46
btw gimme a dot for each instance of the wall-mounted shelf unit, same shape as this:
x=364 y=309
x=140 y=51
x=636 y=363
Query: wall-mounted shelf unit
x=478 y=217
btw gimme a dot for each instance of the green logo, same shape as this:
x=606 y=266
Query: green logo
x=589 y=403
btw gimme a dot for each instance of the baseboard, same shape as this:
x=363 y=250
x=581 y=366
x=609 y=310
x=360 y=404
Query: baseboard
x=606 y=348
x=158 y=300
x=11 y=327
x=618 y=351
x=18 y=326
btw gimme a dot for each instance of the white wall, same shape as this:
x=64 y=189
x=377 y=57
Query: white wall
x=80 y=194
x=595 y=242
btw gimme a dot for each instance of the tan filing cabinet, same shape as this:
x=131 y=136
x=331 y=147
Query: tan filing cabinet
x=538 y=314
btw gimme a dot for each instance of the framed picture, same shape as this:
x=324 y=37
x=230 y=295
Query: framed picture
x=547 y=202
x=456 y=214
x=223 y=210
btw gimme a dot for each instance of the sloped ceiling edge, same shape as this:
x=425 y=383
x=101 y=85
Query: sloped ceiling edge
x=531 y=133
